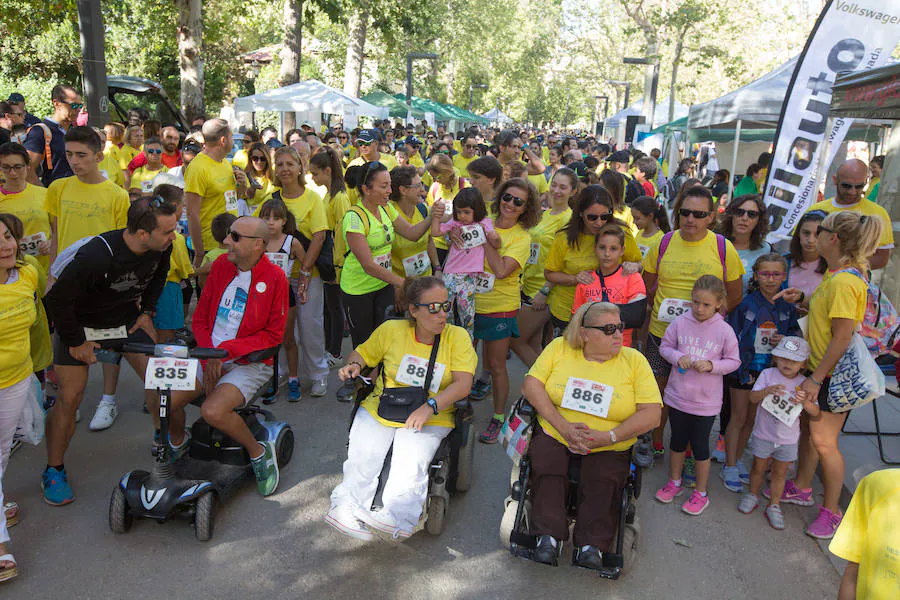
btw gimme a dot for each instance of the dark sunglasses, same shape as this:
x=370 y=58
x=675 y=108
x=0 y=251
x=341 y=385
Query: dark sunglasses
x=362 y=143
x=740 y=212
x=852 y=186
x=237 y=237
x=258 y=158
x=609 y=329
x=822 y=228
x=697 y=214
x=471 y=146
x=76 y=105
x=435 y=307
x=507 y=197
x=153 y=151
x=592 y=217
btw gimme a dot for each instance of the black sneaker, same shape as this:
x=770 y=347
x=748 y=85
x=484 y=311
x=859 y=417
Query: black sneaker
x=547 y=550
x=589 y=557
x=643 y=452
x=347 y=391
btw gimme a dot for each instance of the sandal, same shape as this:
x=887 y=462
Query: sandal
x=8 y=572
x=12 y=513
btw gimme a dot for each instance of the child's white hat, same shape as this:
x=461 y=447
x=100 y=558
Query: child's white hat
x=792 y=347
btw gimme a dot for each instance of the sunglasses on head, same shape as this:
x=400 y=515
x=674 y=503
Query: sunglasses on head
x=609 y=329
x=697 y=214
x=852 y=186
x=593 y=217
x=237 y=236
x=740 y=212
x=435 y=307
x=153 y=151
x=507 y=197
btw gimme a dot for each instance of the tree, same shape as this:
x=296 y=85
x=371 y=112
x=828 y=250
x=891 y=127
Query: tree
x=356 y=47
x=290 y=51
x=190 y=57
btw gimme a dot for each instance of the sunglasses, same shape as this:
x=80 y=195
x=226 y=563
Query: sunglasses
x=592 y=217
x=852 y=186
x=740 y=212
x=364 y=144
x=435 y=307
x=153 y=151
x=697 y=214
x=609 y=329
x=770 y=275
x=258 y=158
x=237 y=237
x=507 y=197
x=444 y=152
x=76 y=105
x=822 y=228
x=470 y=146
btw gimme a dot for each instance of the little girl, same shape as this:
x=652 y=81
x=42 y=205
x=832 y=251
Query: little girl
x=651 y=220
x=759 y=322
x=776 y=432
x=703 y=348
x=463 y=264
x=282 y=250
x=610 y=284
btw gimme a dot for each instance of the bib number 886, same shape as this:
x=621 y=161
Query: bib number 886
x=415 y=371
x=586 y=396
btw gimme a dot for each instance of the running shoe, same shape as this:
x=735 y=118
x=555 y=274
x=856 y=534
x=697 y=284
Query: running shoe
x=775 y=516
x=748 y=504
x=334 y=362
x=78 y=415
x=825 y=525
x=490 y=435
x=794 y=495
x=547 y=550
x=718 y=455
x=743 y=473
x=104 y=416
x=319 y=388
x=480 y=390
x=696 y=504
x=382 y=522
x=731 y=479
x=689 y=472
x=669 y=492
x=16 y=444
x=293 y=390
x=176 y=452
x=590 y=557
x=55 y=484
x=265 y=467
x=658 y=451
x=347 y=391
x=341 y=517
x=643 y=453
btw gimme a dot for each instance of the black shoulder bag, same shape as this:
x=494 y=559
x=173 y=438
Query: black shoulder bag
x=325 y=261
x=397 y=403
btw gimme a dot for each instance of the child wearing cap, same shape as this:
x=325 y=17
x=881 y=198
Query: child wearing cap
x=776 y=432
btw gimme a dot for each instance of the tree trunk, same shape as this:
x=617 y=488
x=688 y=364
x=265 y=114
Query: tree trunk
x=290 y=52
x=190 y=56
x=356 y=48
x=675 y=60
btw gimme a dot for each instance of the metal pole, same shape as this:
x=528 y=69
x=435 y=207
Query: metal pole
x=737 y=140
x=409 y=61
x=470 y=98
x=627 y=93
x=90 y=22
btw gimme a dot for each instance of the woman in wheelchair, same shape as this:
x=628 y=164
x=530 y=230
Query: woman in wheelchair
x=593 y=398
x=396 y=413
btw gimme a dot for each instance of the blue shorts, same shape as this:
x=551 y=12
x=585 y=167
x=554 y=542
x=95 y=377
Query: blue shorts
x=170 y=308
x=491 y=329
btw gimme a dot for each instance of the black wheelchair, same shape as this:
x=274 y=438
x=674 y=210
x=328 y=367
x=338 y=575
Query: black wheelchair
x=515 y=527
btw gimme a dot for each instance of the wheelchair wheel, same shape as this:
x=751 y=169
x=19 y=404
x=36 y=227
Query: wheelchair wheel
x=204 y=516
x=437 y=510
x=120 y=519
x=284 y=446
x=631 y=544
x=509 y=520
x=466 y=462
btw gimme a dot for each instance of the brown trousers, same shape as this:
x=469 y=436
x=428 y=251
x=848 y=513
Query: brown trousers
x=599 y=495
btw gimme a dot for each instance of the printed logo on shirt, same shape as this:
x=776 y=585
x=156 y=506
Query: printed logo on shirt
x=231 y=310
x=125 y=282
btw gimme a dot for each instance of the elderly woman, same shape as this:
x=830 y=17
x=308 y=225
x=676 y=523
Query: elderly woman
x=403 y=348
x=593 y=398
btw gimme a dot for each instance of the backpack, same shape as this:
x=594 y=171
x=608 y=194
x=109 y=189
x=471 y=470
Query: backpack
x=881 y=325
x=65 y=257
x=48 y=135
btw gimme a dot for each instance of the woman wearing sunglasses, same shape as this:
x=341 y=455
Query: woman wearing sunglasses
x=572 y=259
x=403 y=348
x=134 y=140
x=259 y=175
x=593 y=398
x=142 y=178
x=444 y=185
x=745 y=224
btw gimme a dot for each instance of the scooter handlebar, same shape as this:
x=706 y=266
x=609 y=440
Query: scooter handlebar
x=157 y=350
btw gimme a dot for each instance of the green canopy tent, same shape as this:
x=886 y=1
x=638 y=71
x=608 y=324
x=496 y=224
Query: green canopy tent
x=440 y=113
x=396 y=108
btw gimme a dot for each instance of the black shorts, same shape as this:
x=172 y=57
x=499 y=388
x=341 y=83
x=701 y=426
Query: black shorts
x=690 y=429
x=62 y=357
x=823 y=395
x=558 y=325
x=734 y=383
x=659 y=365
x=292 y=297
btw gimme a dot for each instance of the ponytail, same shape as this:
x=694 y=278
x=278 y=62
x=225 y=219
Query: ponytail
x=649 y=206
x=327 y=158
x=858 y=236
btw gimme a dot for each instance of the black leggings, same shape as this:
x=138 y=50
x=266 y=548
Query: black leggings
x=690 y=429
x=366 y=312
x=334 y=319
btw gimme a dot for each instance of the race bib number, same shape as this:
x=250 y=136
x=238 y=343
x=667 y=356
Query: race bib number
x=484 y=282
x=171 y=373
x=534 y=254
x=279 y=259
x=644 y=250
x=146 y=187
x=782 y=408
x=586 y=396
x=472 y=236
x=384 y=261
x=98 y=335
x=231 y=201
x=763 y=343
x=672 y=308
x=29 y=243
x=416 y=264
x=413 y=369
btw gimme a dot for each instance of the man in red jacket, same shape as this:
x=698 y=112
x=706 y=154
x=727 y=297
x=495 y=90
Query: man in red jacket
x=243 y=309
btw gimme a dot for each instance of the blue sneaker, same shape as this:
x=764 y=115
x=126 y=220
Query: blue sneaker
x=480 y=390
x=57 y=491
x=689 y=472
x=293 y=390
x=731 y=479
x=743 y=473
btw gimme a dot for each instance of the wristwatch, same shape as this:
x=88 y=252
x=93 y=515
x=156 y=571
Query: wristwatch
x=433 y=404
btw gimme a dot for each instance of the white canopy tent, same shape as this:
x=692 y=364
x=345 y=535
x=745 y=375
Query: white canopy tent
x=660 y=114
x=495 y=115
x=309 y=99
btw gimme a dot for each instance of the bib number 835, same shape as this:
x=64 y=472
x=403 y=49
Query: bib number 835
x=170 y=373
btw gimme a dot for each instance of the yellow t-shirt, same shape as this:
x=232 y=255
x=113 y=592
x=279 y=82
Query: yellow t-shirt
x=142 y=179
x=394 y=339
x=126 y=154
x=268 y=188
x=645 y=243
x=240 y=159
x=110 y=149
x=545 y=155
x=109 y=168
x=309 y=211
x=839 y=296
x=572 y=261
x=540 y=182
x=180 y=266
x=625 y=216
x=212 y=255
x=379 y=234
x=869 y=535
x=438 y=191
x=311 y=184
x=415 y=160
x=461 y=164
x=18 y=311
x=628 y=374
x=212 y=181
x=402 y=248
x=682 y=264
x=84 y=209
x=28 y=205
x=505 y=296
x=335 y=209
x=542 y=236
x=866 y=207
x=39 y=334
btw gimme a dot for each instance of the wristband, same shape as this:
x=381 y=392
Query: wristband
x=360 y=365
x=305 y=273
x=813 y=379
x=612 y=436
x=545 y=290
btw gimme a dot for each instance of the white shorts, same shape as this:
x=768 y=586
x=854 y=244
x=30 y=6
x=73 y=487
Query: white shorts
x=248 y=379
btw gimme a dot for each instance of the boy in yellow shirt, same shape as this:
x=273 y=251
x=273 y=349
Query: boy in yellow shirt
x=170 y=307
x=220 y=226
x=142 y=178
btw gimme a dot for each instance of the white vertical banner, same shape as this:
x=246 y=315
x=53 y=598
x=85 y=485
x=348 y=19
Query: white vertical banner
x=849 y=35
x=429 y=118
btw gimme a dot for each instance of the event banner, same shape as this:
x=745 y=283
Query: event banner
x=849 y=35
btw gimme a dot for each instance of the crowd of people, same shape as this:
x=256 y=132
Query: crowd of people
x=419 y=244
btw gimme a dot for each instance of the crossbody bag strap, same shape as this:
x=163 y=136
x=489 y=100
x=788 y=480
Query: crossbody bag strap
x=431 y=362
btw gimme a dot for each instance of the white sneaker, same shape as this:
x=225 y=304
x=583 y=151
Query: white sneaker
x=341 y=518
x=105 y=416
x=78 y=415
x=334 y=362
x=382 y=523
x=319 y=388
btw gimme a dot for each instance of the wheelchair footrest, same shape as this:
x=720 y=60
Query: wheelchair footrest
x=523 y=540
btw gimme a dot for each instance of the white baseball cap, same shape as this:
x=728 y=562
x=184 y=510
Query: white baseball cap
x=792 y=347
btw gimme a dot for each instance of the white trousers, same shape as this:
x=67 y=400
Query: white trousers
x=12 y=403
x=407 y=485
x=311 y=322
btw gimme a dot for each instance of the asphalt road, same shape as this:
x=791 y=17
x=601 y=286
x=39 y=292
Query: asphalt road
x=280 y=547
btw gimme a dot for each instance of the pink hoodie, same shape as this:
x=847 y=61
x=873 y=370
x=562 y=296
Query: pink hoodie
x=714 y=340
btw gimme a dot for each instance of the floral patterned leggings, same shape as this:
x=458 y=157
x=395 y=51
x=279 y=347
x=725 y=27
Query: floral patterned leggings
x=461 y=289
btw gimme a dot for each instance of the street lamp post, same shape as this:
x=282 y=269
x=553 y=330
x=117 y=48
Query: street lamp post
x=594 y=112
x=90 y=22
x=409 y=61
x=480 y=86
x=651 y=82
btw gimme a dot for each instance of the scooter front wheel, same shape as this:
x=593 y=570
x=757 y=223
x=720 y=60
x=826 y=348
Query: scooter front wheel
x=204 y=516
x=120 y=519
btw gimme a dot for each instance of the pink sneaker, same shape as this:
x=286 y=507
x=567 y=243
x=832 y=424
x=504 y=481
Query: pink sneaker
x=794 y=495
x=825 y=525
x=669 y=492
x=696 y=504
